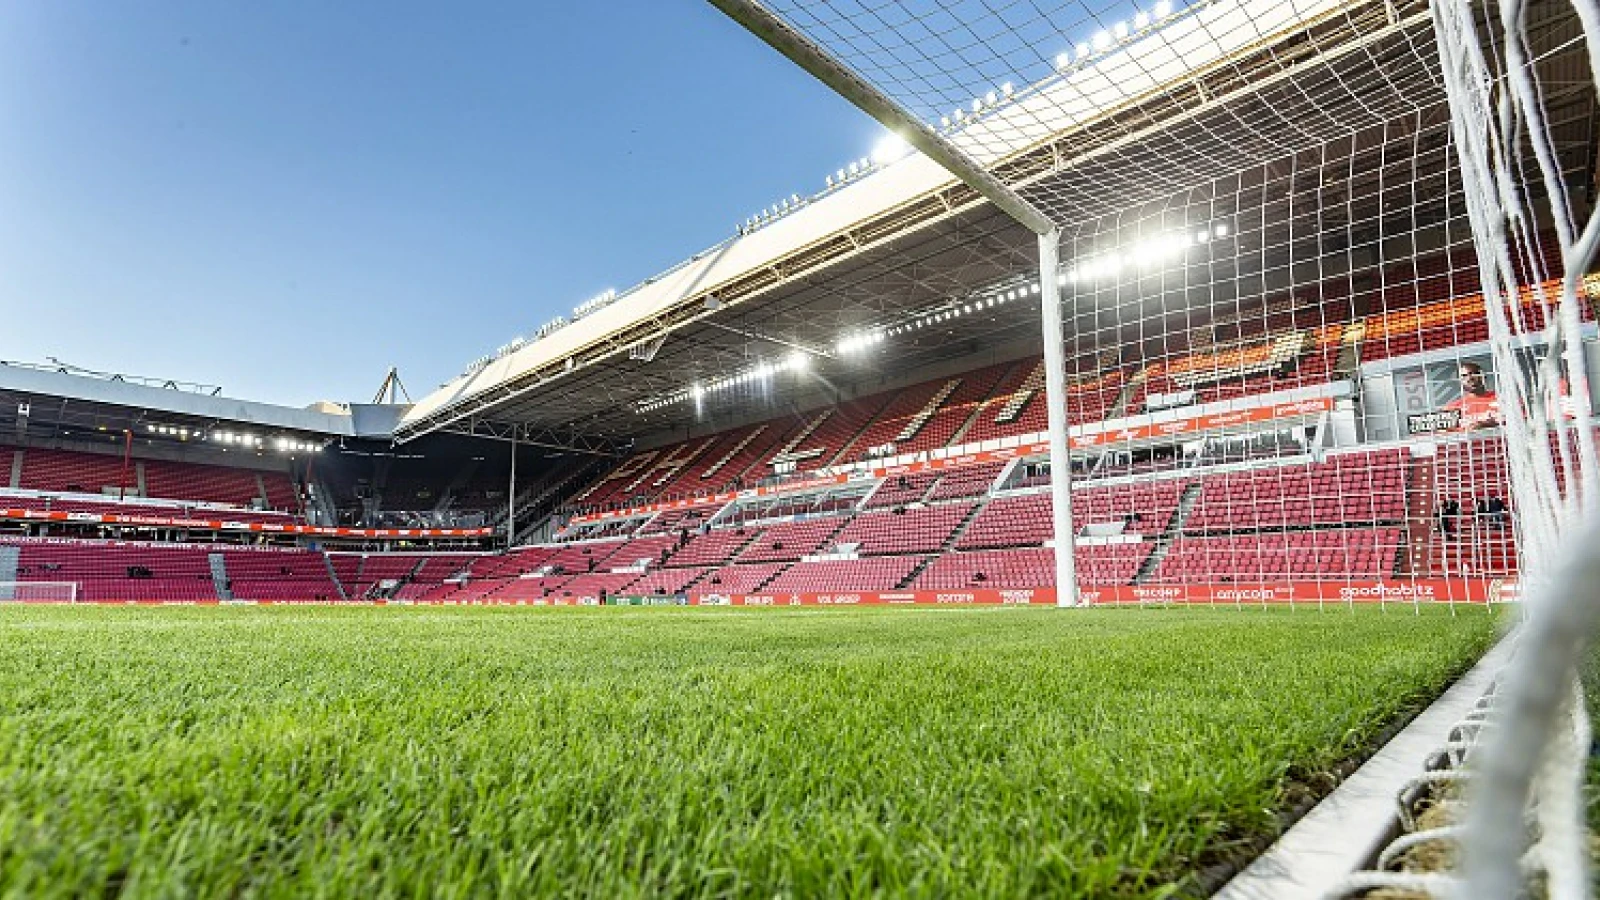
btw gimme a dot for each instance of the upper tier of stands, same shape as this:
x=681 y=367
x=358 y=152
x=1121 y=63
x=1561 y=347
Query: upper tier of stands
x=75 y=472
x=1309 y=339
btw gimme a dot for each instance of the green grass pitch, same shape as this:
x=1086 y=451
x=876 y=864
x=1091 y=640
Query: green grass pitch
x=678 y=752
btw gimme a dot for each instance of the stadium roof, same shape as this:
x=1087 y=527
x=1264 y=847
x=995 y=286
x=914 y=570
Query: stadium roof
x=59 y=395
x=908 y=240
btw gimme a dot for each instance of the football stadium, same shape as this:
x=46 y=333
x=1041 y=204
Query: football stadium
x=1164 y=467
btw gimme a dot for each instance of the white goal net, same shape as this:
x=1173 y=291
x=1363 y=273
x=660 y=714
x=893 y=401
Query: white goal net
x=1327 y=292
x=38 y=592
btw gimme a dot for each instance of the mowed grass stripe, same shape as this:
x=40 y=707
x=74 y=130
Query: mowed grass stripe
x=677 y=752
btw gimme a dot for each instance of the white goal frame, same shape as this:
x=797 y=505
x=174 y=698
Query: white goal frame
x=38 y=592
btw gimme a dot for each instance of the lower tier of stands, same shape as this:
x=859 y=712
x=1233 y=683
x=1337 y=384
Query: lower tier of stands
x=1427 y=511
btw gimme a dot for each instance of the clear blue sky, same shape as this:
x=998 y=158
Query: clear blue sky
x=286 y=197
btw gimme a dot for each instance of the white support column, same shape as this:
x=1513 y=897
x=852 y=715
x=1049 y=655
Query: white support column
x=1055 y=381
x=511 y=496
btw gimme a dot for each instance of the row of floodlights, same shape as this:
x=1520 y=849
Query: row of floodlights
x=236 y=438
x=1102 y=41
x=798 y=362
x=893 y=148
x=948 y=313
x=1116 y=34
x=586 y=308
x=1150 y=252
x=772 y=213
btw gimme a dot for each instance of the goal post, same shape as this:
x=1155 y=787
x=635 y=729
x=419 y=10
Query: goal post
x=811 y=56
x=38 y=592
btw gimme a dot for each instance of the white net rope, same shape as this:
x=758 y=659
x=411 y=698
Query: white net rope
x=1382 y=211
x=1525 y=213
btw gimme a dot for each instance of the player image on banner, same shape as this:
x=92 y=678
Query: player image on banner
x=1478 y=405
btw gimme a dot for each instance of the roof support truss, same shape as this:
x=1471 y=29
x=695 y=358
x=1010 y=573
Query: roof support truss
x=550 y=438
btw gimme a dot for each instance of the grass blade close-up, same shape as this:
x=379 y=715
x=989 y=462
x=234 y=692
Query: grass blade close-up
x=680 y=752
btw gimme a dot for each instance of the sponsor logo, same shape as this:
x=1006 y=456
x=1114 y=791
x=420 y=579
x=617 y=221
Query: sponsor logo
x=1408 y=591
x=1246 y=594
x=1158 y=593
x=955 y=598
x=1017 y=597
x=714 y=600
x=1294 y=409
x=831 y=599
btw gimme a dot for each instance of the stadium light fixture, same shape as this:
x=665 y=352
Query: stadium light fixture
x=1141 y=20
x=1063 y=60
x=1163 y=9
x=1102 y=40
x=1120 y=31
x=890 y=149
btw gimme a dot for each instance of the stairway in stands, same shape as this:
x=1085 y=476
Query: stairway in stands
x=1191 y=496
x=462 y=476
x=1421 y=510
x=921 y=416
x=332 y=576
x=8 y=570
x=1134 y=386
x=219 y=575
x=947 y=547
x=732 y=452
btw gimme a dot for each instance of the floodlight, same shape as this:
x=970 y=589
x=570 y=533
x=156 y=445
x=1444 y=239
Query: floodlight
x=798 y=361
x=1120 y=30
x=1222 y=229
x=977 y=104
x=1007 y=89
x=1163 y=9
x=891 y=148
x=1141 y=20
x=1083 y=50
x=1063 y=60
x=990 y=98
x=1102 y=40
x=944 y=121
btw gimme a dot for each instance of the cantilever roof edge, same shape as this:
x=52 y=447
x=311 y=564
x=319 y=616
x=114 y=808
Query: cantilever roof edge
x=87 y=389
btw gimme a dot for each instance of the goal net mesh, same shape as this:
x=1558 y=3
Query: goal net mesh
x=1326 y=267
x=38 y=592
